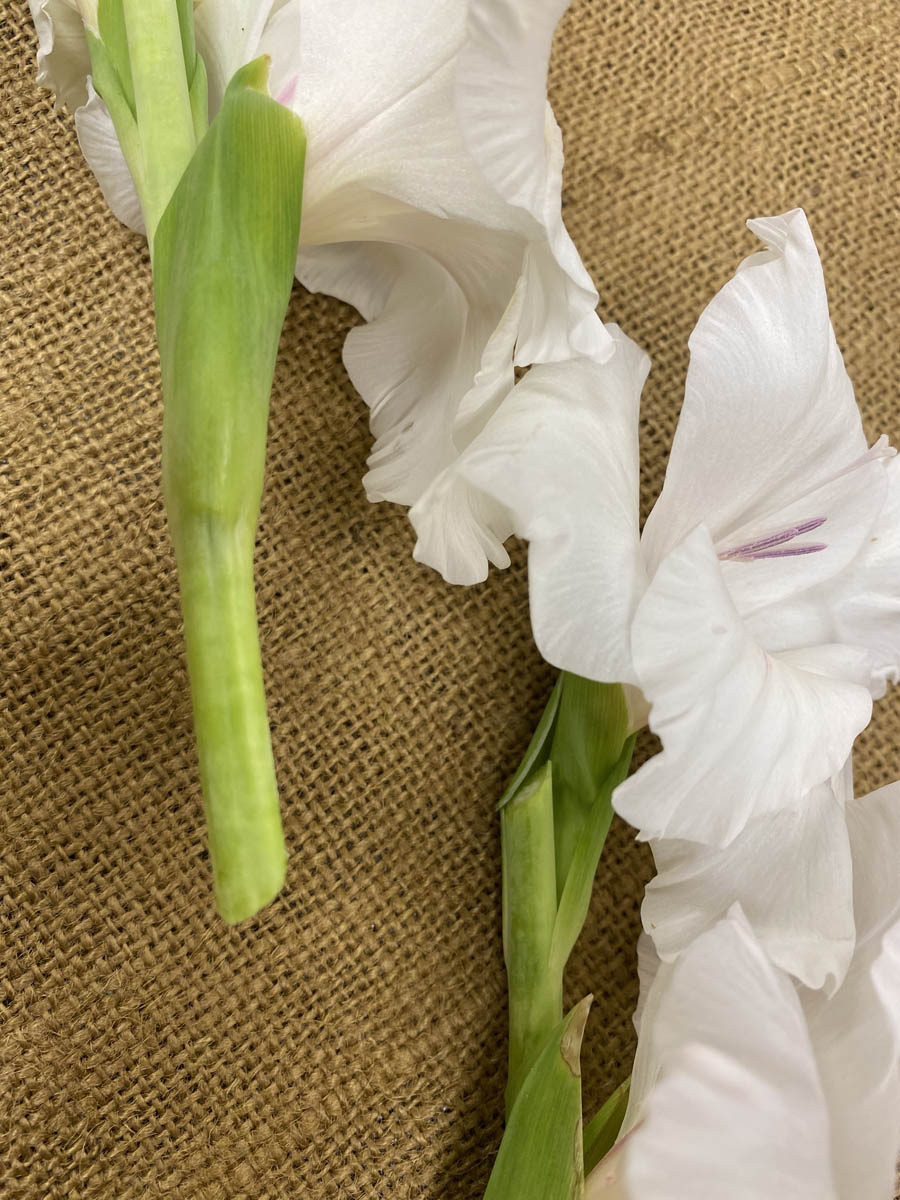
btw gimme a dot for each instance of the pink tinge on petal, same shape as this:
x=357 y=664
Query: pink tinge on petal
x=765 y=547
x=287 y=94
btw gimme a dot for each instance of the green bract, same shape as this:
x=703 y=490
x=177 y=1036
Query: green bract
x=541 y=1154
x=223 y=263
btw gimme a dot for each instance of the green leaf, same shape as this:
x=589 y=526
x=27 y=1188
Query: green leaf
x=602 y=1130
x=529 y=914
x=199 y=97
x=540 y=1156
x=538 y=748
x=590 y=731
x=109 y=87
x=223 y=265
x=579 y=882
x=188 y=40
x=111 y=25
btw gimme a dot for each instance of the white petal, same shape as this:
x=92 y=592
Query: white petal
x=744 y=733
x=510 y=131
x=655 y=977
x=433 y=364
x=769 y=413
x=413 y=365
x=502 y=94
x=229 y=34
x=375 y=93
x=100 y=146
x=791 y=873
x=856 y=1035
x=359 y=273
x=648 y=965
x=382 y=123
x=861 y=608
x=561 y=455
x=847 y=508
x=874 y=823
x=64 y=62
x=375 y=86
x=557 y=322
x=738 y=1110
x=867 y=613
x=461 y=529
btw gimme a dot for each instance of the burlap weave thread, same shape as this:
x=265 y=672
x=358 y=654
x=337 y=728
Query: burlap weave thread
x=349 y=1043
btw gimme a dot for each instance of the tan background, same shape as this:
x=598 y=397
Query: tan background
x=351 y=1042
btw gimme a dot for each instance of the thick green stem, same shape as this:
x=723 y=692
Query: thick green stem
x=215 y=570
x=223 y=265
x=165 y=119
x=529 y=913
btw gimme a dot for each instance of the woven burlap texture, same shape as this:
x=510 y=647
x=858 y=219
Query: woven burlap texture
x=351 y=1041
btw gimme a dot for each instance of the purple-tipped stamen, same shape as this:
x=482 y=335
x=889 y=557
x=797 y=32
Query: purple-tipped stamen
x=791 y=551
x=764 y=547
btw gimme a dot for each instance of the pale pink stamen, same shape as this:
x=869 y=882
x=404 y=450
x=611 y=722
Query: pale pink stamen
x=773 y=545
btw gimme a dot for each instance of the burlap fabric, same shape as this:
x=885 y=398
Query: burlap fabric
x=351 y=1041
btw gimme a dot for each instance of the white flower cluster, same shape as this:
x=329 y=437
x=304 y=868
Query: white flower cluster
x=757 y=616
x=754 y=619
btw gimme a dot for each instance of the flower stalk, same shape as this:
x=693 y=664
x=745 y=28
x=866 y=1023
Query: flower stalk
x=554 y=818
x=162 y=100
x=215 y=573
x=223 y=269
x=222 y=212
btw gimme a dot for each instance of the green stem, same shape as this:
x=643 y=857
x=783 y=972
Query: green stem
x=529 y=913
x=165 y=119
x=215 y=569
x=601 y=1131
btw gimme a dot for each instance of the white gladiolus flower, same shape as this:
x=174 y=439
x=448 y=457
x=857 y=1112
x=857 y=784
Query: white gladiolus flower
x=431 y=203
x=759 y=611
x=747 y=1086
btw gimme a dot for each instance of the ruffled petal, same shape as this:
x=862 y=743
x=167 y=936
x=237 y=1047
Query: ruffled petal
x=856 y=1035
x=387 y=162
x=648 y=965
x=501 y=90
x=561 y=456
x=411 y=365
x=385 y=124
x=791 y=873
x=769 y=414
x=736 y=1074
x=461 y=529
x=359 y=273
x=744 y=733
x=434 y=362
x=100 y=146
x=64 y=62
